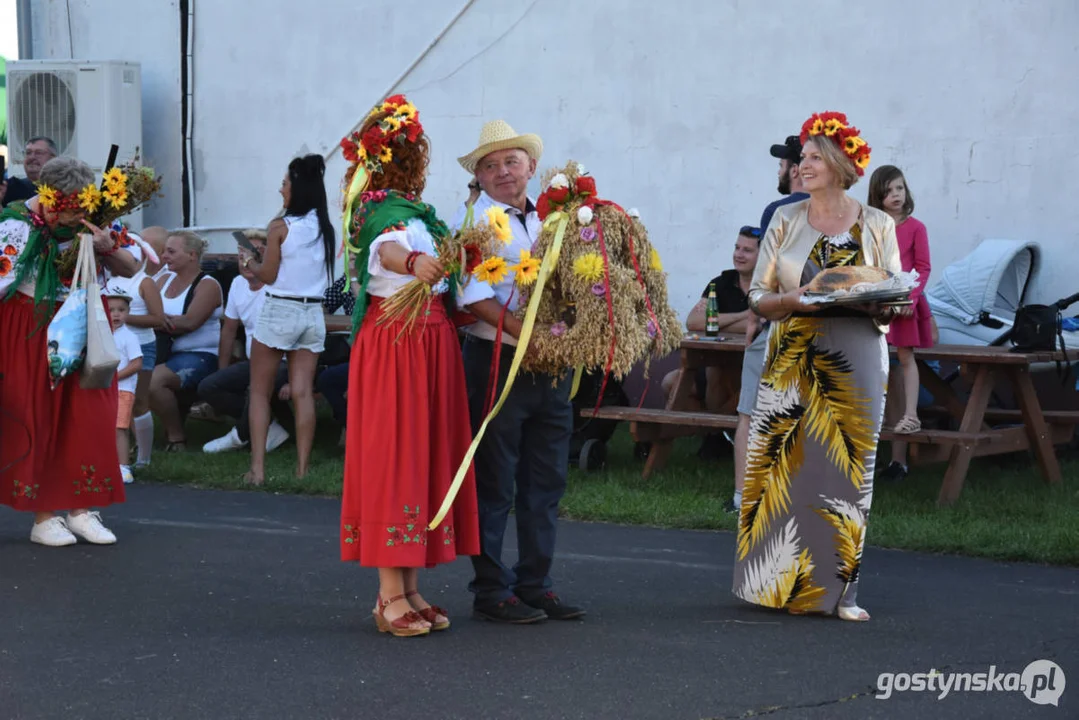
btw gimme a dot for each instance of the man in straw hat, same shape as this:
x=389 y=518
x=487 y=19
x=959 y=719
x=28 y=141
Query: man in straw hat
x=523 y=459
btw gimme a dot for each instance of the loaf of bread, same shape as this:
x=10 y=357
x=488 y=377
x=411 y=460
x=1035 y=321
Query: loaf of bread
x=852 y=279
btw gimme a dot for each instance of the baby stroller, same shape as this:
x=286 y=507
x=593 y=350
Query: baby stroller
x=977 y=297
x=976 y=300
x=588 y=444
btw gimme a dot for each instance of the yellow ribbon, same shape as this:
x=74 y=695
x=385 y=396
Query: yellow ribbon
x=359 y=182
x=546 y=267
x=577 y=374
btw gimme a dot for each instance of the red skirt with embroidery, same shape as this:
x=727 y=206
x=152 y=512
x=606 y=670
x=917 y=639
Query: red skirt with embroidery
x=57 y=447
x=408 y=431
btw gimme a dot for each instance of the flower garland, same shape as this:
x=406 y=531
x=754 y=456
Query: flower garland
x=605 y=305
x=834 y=125
x=375 y=146
x=52 y=199
x=113 y=191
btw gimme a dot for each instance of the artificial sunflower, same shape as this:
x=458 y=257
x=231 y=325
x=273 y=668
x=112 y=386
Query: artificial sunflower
x=391 y=124
x=851 y=144
x=588 y=267
x=90 y=198
x=527 y=269
x=832 y=126
x=656 y=263
x=818 y=127
x=115 y=180
x=117 y=199
x=492 y=270
x=385 y=154
x=406 y=111
x=500 y=223
x=862 y=161
x=47 y=196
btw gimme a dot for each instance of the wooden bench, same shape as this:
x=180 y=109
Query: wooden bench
x=644 y=417
x=663 y=417
x=1053 y=417
x=1033 y=429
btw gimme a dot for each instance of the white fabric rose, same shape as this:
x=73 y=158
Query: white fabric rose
x=584 y=215
x=634 y=213
x=560 y=181
x=580 y=169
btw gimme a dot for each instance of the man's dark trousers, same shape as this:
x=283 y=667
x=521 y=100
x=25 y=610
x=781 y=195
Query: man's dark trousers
x=226 y=392
x=522 y=463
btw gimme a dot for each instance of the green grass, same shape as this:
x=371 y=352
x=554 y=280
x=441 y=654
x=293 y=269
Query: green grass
x=1006 y=511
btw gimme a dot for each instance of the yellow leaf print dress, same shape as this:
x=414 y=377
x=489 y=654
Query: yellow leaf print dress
x=812 y=448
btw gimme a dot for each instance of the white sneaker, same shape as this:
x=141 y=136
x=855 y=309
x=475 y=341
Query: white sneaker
x=275 y=436
x=53 y=532
x=230 y=441
x=88 y=526
x=125 y=473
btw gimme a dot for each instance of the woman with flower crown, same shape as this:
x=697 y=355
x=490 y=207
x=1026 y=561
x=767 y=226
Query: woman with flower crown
x=814 y=433
x=408 y=427
x=57 y=446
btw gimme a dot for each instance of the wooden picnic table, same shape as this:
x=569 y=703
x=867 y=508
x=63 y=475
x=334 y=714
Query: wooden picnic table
x=1030 y=427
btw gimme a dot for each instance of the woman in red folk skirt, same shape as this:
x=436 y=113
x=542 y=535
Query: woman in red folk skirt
x=57 y=446
x=408 y=427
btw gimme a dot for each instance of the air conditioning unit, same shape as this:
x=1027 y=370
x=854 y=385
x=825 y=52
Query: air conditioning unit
x=85 y=107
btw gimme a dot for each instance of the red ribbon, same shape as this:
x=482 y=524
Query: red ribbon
x=640 y=281
x=496 y=357
x=610 y=314
x=636 y=266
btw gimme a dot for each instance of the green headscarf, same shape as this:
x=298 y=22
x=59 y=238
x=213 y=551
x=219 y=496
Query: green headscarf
x=38 y=260
x=380 y=211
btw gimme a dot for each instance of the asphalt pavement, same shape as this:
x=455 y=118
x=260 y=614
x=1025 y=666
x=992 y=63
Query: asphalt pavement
x=235 y=605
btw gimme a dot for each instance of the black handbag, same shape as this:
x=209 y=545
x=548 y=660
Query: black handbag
x=1037 y=328
x=1040 y=328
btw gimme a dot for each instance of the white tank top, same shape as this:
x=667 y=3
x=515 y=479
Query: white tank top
x=138 y=305
x=303 y=260
x=206 y=337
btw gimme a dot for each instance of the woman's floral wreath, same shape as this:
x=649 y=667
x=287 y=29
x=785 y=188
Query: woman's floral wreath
x=113 y=191
x=834 y=125
x=374 y=147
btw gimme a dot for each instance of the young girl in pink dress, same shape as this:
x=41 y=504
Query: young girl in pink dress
x=913 y=328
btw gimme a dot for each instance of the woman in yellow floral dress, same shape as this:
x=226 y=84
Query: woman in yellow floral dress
x=813 y=439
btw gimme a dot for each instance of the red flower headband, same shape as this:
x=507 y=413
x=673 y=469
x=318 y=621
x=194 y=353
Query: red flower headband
x=52 y=199
x=374 y=147
x=834 y=126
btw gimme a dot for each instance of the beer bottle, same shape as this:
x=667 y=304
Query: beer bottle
x=711 y=313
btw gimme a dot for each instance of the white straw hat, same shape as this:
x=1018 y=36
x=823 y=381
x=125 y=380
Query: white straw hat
x=498 y=135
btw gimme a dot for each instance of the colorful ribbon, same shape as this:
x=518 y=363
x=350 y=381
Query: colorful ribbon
x=359 y=182
x=610 y=310
x=550 y=259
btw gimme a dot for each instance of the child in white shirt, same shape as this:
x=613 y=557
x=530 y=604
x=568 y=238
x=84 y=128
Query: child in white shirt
x=126 y=374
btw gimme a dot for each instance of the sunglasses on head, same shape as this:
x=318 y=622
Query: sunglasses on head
x=750 y=231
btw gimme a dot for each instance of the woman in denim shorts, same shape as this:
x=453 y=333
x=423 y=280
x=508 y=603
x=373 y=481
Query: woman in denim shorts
x=297 y=268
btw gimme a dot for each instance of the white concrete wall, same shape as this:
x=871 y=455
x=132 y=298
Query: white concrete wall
x=672 y=105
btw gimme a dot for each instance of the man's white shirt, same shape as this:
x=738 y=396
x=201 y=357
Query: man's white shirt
x=525 y=236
